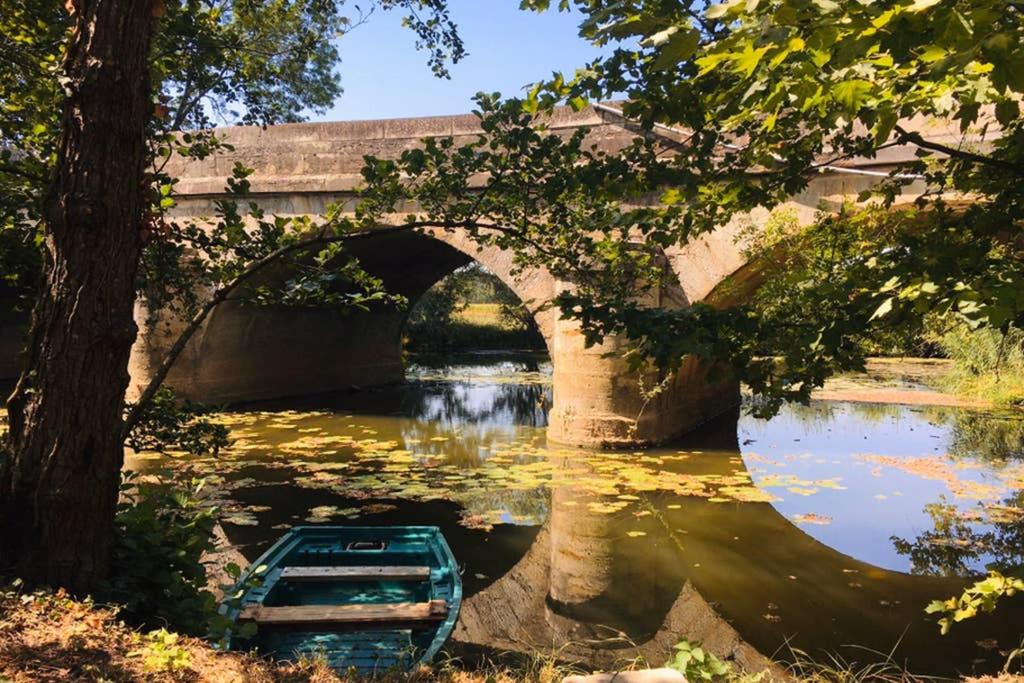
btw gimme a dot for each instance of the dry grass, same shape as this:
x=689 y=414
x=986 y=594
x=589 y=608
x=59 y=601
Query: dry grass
x=48 y=638
x=482 y=315
x=52 y=638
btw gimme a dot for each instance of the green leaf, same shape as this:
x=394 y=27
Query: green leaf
x=660 y=37
x=746 y=62
x=851 y=94
x=1007 y=111
x=883 y=309
x=679 y=47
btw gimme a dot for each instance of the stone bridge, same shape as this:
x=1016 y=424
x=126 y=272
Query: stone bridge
x=248 y=353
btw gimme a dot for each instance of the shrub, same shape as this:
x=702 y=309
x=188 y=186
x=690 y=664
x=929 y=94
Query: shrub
x=986 y=363
x=163 y=530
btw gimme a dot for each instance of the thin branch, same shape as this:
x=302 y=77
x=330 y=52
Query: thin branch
x=916 y=139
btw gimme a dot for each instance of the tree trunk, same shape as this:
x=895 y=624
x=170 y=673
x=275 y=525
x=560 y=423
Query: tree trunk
x=59 y=481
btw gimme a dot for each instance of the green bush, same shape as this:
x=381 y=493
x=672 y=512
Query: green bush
x=696 y=663
x=163 y=530
x=987 y=363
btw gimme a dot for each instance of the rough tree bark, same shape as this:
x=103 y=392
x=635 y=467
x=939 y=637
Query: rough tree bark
x=59 y=480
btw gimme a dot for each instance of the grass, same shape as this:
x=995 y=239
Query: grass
x=475 y=327
x=483 y=315
x=51 y=638
x=986 y=364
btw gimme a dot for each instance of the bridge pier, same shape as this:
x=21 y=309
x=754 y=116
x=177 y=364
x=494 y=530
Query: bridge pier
x=599 y=402
x=247 y=352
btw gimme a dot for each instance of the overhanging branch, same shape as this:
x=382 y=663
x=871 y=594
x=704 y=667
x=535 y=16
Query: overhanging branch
x=138 y=408
x=915 y=138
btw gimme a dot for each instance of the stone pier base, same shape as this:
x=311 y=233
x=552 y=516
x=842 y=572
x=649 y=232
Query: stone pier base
x=600 y=403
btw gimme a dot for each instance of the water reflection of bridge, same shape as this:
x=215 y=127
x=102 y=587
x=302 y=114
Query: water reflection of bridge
x=736 y=576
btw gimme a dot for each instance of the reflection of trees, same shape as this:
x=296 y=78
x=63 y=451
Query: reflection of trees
x=473 y=415
x=524 y=506
x=987 y=436
x=468 y=403
x=956 y=544
x=819 y=416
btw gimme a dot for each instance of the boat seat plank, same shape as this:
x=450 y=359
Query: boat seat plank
x=355 y=574
x=400 y=612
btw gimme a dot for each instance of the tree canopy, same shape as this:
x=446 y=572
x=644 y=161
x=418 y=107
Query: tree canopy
x=766 y=94
x=213 y=62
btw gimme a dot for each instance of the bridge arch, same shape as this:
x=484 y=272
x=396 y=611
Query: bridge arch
x=245 y=352
x=302 y=168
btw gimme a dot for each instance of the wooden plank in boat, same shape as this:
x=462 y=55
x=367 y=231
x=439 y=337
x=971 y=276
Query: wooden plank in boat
x=355 y=573
x=401 y=612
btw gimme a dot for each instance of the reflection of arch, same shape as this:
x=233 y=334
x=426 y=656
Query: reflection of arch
x=513 y=614
x=551 y=599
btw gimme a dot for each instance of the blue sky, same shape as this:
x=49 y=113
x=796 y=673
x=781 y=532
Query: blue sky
x=384 y=76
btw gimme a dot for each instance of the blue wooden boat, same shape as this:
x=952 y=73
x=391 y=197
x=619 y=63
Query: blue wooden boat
x=367 y=598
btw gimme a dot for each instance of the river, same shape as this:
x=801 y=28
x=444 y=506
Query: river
x=825 y=530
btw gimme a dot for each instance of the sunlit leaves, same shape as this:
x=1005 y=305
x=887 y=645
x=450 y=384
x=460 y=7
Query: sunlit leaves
x=982 y=596
x=788 y=84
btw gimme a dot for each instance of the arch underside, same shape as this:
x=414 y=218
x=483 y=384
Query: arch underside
x=247 y=352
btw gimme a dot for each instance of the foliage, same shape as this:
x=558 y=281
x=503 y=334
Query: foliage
x=697 y=664
x=758 y=98
x=210 y=61
x=221 y=626
x=163 y=530
x=167 y=423
x=434 y=311
x=982 y=596
x=228 y=62
x=31 y=35
x=161 y=652
x=440 y=319
x=581 y=213
x=196 y=257
x=988 y=363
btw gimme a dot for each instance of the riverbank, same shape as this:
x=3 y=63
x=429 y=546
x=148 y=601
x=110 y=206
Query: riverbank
x=476 y=326
x=54 y=639
x=903 y=381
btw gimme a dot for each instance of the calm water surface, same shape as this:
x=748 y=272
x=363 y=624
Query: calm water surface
x=826 y=529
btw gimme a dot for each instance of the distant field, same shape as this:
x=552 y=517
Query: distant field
x=478 y=327
x=482 y=315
